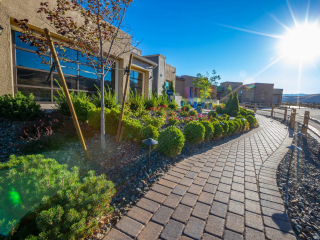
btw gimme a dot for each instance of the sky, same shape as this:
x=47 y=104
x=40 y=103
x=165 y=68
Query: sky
x=194 y=38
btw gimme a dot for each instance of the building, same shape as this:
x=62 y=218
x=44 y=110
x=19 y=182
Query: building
x=162 y=74
x=254 y=92
x=22 y=70
x=185 y=88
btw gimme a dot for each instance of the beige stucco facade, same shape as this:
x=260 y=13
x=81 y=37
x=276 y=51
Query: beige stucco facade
x=27 y=9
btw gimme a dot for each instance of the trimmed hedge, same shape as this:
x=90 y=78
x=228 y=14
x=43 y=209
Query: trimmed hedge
x=132 y=129
x=209 y=130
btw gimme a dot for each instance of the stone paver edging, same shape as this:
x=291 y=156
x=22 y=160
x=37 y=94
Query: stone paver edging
x=227 y=192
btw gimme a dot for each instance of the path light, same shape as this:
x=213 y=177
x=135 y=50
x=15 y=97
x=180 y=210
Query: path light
x=1 y=29
x=292 y=148
x=150 y=142
x=221 y=123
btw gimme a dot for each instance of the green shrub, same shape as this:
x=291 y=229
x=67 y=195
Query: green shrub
x=19 y=107
x=233 y=113
x=81 y=104
x=112 y=117
x=163 y=100
x=193 y=113
x=174 y=106
x=213 y=114
x=209 y=129
x=184 y=114
x=152 y=101
x=218 y=130
x=41 y=199
x=186 y=108
x=252 y=121
x=231 y=127
x=226 y=117
x=237 y=126
x=171 y=141
x=132 y=129
x=194 y=132
x=235 y=102
x=136 y=101
x=225 y=127
x=240 y=124
x=110 y=99
x=226 y=111
x=149 y=132
x=94 y=118
x=154 y=121
x=229 y=102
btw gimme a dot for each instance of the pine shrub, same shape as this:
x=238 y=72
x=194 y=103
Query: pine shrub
x=237 y=126
x=226 y=111
x=41 y=199
x=220 y=109
x=171 y=141
x=233 y=113
x=193 y=113
x=209 y=129
x=231 y=127
x=235 y=102
x=19 y=107
x=194 y=132
x=225 y=127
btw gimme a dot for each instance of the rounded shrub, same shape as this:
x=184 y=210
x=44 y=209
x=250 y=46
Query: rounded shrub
x=237 y=126
x=132 y=129
x=170 y=141
x=252 y=120
x=173 y=105
x=82 y=108
x=225 y=127
x=231 y=127
x=213 y=114
x=209 y=129
x=193 y=113
x=219 y=109
x=218 y=130
x=233 y=113
x=240 y=123
x=19 y=107
x=194 y=132
x=226 y=117
x=149 y=132
x=94 y=118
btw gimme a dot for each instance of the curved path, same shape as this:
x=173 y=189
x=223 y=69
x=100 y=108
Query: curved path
x=227 y=192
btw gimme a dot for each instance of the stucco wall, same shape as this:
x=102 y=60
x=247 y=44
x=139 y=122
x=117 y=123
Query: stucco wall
x=161 y=76
x=27 y=9
x=148 y=72
x=263 y=87
x=179 y=85
x=170 y=73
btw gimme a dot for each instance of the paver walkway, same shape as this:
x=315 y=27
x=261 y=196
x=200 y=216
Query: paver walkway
x=227 y=192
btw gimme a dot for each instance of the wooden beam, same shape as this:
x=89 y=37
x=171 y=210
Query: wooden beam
x=66 y=92
x=120 y=131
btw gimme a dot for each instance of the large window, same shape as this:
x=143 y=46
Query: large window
x=190 y=92
x=136 y=79
x=31 y=74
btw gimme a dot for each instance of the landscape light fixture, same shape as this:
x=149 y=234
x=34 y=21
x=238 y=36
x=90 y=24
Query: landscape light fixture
x=1 y=29
x=221 y=123
x=150 y=142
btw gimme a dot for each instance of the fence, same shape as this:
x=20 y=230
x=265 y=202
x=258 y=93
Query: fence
x=291 y=119
x=301 y=104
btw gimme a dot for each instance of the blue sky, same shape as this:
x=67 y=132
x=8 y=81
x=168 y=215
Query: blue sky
x=190 y=35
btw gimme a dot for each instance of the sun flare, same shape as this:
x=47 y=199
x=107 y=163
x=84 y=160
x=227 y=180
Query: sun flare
x=301 y=43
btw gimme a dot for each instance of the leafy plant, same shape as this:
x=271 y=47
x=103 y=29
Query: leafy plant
x=163 y=100
x=149 y=132
x=94 y=118
x=173 y=120
x=220 y=108
x=41 y=199
x=112 y=117
x=136 y=101
x=110 y=100
x=194 y=132
x=81 y=103
x=19 y=107
x=184 y=114
x=171 y=141
x=152 y=101
x=186 y=108
x=209 y=130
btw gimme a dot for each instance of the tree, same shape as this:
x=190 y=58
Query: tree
x=164 y=89
x=229 y=91
x=171 y=87
x=235 y=102
x=230 y=98
x=202 y=82
x=97 y=30
x=214 y=78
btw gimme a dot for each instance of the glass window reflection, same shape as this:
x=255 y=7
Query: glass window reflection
x=31 y=60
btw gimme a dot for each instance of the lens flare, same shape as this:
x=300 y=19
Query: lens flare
x=302 y=43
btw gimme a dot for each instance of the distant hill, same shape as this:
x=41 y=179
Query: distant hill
x=302 y=98
x=295 y=94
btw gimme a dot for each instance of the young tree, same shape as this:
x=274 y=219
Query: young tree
x=202 y=82
x=229 y=90
x=214 y=78
x=96 y=34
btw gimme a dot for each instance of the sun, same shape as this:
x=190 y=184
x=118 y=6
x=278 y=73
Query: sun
x=302 y=43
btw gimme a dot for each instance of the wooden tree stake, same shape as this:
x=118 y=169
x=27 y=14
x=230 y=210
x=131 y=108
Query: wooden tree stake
x=304 y=129
x=66 y=92
x=120 y=131
x=272 y=108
